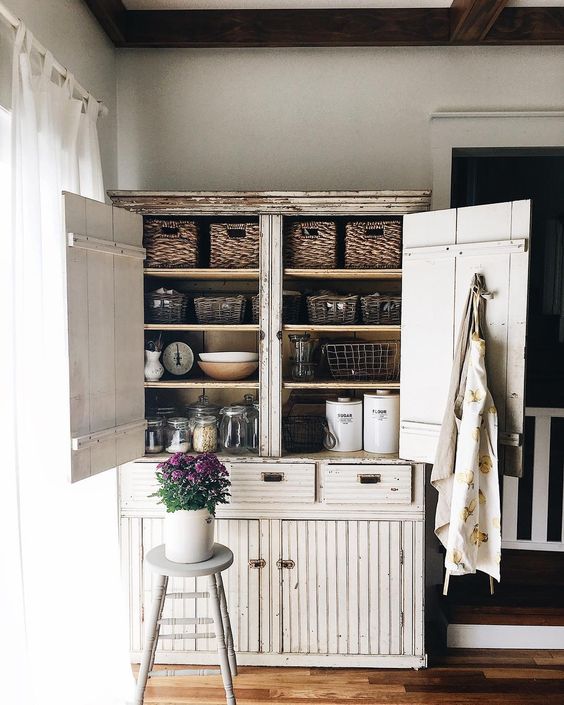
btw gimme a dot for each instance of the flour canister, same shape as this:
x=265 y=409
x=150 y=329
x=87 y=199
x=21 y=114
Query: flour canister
x=381 y=422
x=344 y=419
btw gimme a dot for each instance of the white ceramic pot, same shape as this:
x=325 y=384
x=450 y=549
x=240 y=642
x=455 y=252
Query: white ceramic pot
x=344 y=420
x=381 y=422
x=153 y=368
x=189 y=535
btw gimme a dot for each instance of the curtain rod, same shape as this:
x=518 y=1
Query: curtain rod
x=15 y=22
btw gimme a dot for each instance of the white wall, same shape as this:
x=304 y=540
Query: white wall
x=70 y=32
x=309 y=118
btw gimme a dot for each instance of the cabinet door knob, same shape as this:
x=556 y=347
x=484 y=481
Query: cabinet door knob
x=285 y=564
x=257 y=563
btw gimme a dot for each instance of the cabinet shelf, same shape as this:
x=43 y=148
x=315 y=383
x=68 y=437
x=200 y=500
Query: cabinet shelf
x=202 y=274
x=318 y=328
x=202 y=383
x=243 y=327
x=342 y=273
x=340 y=384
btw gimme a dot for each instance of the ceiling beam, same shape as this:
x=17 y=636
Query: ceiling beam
x=471 y=20
x=288 y=28
x=112 y=15
x=528 y=25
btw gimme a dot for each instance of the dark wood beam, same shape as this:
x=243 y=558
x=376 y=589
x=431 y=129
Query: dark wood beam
x=528 y=25
x=288 y=28
x=111 y=14
x=471 y=20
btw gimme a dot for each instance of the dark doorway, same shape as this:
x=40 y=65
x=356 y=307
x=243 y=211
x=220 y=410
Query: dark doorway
x=482 y=176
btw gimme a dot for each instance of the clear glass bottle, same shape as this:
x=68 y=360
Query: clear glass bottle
x=177 y=434
x=204 y=434
x=203 y=407
x=252 y=416
x=233 y=430
x=154 y=435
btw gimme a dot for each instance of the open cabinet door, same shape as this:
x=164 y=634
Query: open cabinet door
x=105 y=335
x=442 y=250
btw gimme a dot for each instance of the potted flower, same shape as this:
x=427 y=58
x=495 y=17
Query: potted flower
x=190 y=488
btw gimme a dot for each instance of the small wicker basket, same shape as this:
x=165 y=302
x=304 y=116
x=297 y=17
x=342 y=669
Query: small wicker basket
x=311 y=245
x=332 y=309
x=234 y=245
x=373 y=245
x=303 y=434
x=220 y=309
x=291 y=308
x=380 y=309
x=166 y=306
x=170 y=243
x=378 y=361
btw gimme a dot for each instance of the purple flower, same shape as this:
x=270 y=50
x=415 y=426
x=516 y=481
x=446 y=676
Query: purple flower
x=176 y=475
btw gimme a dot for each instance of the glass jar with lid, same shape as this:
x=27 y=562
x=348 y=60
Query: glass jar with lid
x=154 y=435
x=177 y=435
x=233 y=429
x=252 y=416
x=203 y=407
x=204 y=434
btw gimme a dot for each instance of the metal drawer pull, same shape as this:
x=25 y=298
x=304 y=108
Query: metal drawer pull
x=272 y=476
x=369 y=479
x=257 y=563
x=285 y=564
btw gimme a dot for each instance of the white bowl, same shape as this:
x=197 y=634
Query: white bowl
x=229 y=357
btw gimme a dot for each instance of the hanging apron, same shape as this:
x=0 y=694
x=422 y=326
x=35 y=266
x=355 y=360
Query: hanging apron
x=465 y=473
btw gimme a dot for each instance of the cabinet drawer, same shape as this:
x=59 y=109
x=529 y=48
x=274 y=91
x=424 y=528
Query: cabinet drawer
x=260 y=483
x=359 y=484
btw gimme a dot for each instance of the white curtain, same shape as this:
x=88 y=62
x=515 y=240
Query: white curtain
x=64 y=616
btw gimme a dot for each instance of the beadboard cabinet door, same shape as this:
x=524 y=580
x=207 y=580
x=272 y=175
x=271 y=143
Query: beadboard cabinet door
x=352 y=587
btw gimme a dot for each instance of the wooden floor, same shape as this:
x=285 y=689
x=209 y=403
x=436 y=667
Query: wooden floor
x=462 y=677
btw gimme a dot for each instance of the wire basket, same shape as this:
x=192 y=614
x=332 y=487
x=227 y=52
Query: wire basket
x=380 y=309
x=303 y=434
x=332 y=309
x=234 y=245
x=220 y=309
x=378 y=361
x=373 y=245
x=170 y=242
x=291 y=308
x=166 y=306
x=311 y=245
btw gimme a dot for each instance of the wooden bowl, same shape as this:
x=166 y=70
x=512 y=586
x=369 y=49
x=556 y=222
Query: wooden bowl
x=228 y=371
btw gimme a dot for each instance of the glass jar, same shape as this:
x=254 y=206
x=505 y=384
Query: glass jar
x=252 y=417
x=204 y=434
x=233 y=430
x=203 y=407
x=154 y=434
x=177 y=435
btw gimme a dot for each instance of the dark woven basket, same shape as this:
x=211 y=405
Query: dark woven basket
x=378 y=361
x=170 y=243
x=167 y=307
x=291 y=308
x=311 y=245
x=234 y=245
x=331 y=309
x=380 y=309
x=220 y=309
x=373 y=245
x=303 y=434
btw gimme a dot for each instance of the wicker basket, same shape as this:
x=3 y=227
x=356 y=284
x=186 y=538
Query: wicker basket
x=170 y=242
x=234 y=245
x=166 y=306
x=291 y=308
x=220 y=309
x=311 y=245
x=303 y=434
x=373 y=245
x=331 y=309
x=380 y=309
x=378 y=361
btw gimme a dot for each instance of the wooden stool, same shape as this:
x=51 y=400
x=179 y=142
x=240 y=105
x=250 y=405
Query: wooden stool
x=221 y=560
